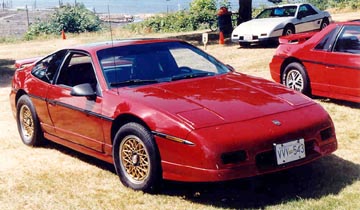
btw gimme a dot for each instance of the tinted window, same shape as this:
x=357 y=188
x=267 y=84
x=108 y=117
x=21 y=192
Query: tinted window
x=306 y=10
x=348 y=40
x=326 y=43
x=46 y=68
x=77 y=69
x=156 y=61
x=288 y=11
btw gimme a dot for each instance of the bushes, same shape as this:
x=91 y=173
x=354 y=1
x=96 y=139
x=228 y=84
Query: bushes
x=73 y=19
x=201 y=12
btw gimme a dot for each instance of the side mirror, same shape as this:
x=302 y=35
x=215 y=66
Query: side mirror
x=230 y=67
x=84 y=90
x=300 y=15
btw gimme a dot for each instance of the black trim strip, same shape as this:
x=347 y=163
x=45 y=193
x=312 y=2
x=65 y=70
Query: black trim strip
x=331 y=65
x=53 y=102
x=87 y=112
x=321 y=63
x=281 y=29
x=36 y=97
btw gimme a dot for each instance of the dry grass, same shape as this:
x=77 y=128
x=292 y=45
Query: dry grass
x=55 y=177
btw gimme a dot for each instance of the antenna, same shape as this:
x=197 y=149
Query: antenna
x=111 y=32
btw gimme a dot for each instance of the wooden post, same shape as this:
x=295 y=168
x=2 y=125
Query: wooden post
x=27 y=16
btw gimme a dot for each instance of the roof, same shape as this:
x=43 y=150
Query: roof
x=119 y=42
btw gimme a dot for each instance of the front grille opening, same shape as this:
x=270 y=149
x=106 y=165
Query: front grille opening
x=326 y=134
x=234 y=157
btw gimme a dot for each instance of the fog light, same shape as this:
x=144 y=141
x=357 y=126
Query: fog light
x=233 y=157
x=326 y=134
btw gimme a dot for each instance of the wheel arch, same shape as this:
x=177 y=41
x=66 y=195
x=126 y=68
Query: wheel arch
x=122 y=120
x=19 y=93
x=290 y=25
x=286 y=62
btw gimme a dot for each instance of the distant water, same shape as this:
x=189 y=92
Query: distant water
x=121 y=6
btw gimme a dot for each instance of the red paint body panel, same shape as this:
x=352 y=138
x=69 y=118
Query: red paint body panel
x=219 y=114
x=332 y=74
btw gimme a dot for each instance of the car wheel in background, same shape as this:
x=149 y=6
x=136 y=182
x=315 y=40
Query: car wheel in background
x=295 y=77
x=28 y=122
x=136 y=158
x=324 y=23
x=288 y=30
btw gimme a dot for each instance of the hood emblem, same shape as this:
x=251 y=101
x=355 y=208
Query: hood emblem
x=276 y=122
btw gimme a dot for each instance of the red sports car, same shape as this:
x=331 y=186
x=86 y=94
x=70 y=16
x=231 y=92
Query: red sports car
x=164 y=109
x=325 y=64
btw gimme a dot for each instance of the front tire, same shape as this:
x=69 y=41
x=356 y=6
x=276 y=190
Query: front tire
x=288 y=30
x=28 y=122
x=295 y=77
x=136 y=158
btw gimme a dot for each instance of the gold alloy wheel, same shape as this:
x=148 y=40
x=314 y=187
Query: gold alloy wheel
x=26 y=122
x=135 y=159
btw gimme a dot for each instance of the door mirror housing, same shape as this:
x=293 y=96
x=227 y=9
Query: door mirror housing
x=84 y=90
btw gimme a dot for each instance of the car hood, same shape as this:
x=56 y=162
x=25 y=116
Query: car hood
x=219 y=99
x=263 y=25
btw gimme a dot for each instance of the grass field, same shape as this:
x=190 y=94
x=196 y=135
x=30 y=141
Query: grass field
x=54 y=177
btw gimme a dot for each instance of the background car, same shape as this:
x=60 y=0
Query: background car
x=327 y=64
x=278 y=21
x=164 y=109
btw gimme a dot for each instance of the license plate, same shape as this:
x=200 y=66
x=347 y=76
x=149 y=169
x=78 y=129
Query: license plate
x=290 y=151
x=247 y=37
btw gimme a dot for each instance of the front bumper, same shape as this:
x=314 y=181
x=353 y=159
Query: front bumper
x=254 y=39
x=204 y=162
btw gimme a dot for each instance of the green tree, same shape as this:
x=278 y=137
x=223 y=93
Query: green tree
x=73 y=19
x=203 y=11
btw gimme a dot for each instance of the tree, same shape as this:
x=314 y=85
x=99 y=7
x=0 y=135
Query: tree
x=245 y=10
x=73 y=19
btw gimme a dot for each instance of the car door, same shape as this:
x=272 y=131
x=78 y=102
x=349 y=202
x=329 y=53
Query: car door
x=39 y=82
x=75 y=118
x=309 y=19
x=343 y=67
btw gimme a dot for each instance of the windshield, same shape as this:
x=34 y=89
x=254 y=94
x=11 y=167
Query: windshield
x=288 y=11
x=156 y=62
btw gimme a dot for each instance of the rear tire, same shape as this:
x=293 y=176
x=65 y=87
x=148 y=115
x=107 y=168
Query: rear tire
x=28 y=122
x=324 y=23
x=136 y=158
x=295 y=77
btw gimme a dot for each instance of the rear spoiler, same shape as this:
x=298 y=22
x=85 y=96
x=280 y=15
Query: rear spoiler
x=296 y=38
x=24 y=62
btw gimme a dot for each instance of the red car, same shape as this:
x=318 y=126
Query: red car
x=325 y=64
x=164 y=109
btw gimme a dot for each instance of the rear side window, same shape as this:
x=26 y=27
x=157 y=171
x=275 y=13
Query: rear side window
x=327 y=42
x=46 y=68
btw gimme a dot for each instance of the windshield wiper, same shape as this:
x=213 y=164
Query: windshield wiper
x=191 y=75
x=133 y=82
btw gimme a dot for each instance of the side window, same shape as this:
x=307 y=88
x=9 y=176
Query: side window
x=77 y=69
x=45 y=69
x=306 y=10
x=348 y=40
x=326 y=43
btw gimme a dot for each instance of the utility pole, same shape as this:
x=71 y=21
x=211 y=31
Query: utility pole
x=27 y=16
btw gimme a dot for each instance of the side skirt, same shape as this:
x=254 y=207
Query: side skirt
x=79 y=148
